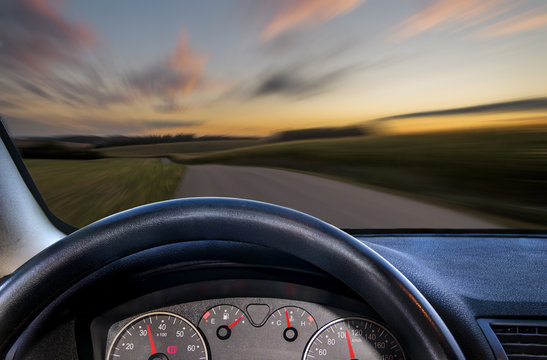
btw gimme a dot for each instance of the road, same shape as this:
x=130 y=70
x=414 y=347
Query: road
x=341 y=204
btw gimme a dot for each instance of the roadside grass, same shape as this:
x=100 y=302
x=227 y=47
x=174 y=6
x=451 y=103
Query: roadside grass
x=191 y=147
x=82 y=191
x=498 y=172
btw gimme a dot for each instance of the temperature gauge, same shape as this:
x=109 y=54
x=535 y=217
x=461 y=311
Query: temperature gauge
x=292 y=323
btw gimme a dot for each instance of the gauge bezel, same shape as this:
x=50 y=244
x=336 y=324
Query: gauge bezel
x=335 y=321
x=138 y=318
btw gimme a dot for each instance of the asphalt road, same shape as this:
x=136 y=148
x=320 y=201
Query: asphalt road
x=341 y=204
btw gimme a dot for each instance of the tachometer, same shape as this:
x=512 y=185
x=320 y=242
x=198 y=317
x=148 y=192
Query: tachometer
x=158 y=336
x=353 y=338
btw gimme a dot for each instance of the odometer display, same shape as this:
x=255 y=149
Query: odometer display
x=353 y=338
x=158 y=336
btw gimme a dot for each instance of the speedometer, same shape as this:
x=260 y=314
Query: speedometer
x=353 y=338
x=158 y=336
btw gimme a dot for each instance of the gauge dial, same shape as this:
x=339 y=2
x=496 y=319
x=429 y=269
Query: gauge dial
x=292 y=323
x=158 y=336
x=228 y=331
x=223 y=321
x=353 y=338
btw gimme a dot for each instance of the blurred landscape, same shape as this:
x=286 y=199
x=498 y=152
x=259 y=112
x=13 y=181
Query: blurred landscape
x=82 y=191
x=500 y=171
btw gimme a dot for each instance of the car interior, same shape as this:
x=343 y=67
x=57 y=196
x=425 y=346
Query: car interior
x=230 y=278
x=273 y=179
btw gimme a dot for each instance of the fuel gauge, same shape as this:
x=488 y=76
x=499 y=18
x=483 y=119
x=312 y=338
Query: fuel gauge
x=227 y=330
x=219 y=321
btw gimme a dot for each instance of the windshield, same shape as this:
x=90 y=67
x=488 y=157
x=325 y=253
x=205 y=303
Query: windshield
x=366 y=114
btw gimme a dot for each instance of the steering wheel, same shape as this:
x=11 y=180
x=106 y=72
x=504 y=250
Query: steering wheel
x=29 y=290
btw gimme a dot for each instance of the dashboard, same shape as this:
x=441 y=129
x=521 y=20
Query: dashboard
x=187 y=283
x=249 y=328
x=238 y=302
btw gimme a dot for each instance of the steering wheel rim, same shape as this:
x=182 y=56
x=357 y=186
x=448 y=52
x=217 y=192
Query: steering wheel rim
x=29 y=289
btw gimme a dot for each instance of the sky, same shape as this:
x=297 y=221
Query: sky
x=254 y=67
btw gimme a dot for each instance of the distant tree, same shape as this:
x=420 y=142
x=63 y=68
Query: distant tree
x=320 y=133
x=52 y=150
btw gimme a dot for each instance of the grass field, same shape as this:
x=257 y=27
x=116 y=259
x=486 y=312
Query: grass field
x=157 y=150
x=496 y=172
x=82 y=191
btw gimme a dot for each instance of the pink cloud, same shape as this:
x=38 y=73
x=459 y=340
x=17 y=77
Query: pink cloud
x=189 y=64
x=35 y=34
x=181 y=73
x=521 y=23
x=298 y=13
x=449 y=13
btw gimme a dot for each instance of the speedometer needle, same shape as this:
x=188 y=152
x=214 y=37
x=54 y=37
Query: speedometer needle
x=351 y=354
x=235 y=322
x=152 y=340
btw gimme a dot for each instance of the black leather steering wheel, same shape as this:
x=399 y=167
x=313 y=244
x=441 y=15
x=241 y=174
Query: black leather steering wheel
x=39 y=281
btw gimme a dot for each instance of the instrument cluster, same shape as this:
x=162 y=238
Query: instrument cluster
x=250 y=328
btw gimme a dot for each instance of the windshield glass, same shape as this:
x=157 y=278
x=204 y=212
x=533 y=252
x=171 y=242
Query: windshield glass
x=366 y=114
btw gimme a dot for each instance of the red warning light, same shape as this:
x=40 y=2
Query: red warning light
x=172 y=349
x=206 y=315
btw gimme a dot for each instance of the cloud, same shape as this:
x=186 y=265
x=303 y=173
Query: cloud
x=170 y=106
x=296 y=82
x=87 y=91
x=309 y=76
x=5 y=104
x=158 y=124
x=305 y=13
x=535 y=104
x=449 y=13
x=48 y=58
x=41 y=53
x=34 y=34
x=521 y=23
x=177 y=75
x=33 y=89
x=36 y=40
x=18 y=126
x=181 y=73
x=46 y=126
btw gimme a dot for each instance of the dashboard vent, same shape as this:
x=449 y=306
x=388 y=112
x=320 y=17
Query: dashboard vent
x=516 y=339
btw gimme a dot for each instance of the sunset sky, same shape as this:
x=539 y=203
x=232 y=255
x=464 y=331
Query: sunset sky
x=248 y=67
